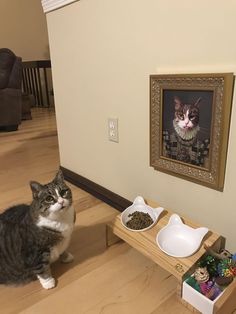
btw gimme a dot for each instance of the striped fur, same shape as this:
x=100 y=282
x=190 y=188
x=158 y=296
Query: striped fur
x=31 y=234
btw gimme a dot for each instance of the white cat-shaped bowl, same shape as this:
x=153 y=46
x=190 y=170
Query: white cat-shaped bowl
x=140 y=206
x=179 y=240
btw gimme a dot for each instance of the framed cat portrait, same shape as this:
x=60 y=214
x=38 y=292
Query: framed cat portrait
x=189 y=125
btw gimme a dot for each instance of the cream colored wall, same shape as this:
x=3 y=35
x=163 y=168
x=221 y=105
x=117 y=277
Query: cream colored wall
x=102 y=55
x=23 y=29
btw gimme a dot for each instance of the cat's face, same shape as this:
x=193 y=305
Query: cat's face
x=53 y=197
x=186 y=115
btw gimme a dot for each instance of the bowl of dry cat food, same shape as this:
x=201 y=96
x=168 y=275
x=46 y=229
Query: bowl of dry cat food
x=139 y=216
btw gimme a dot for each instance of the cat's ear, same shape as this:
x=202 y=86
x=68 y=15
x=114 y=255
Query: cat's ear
x=35 y=188
x=177 y=103
x=197 y=102
x=59 y=176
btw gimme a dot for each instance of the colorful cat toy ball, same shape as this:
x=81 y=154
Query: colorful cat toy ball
x=224 y=268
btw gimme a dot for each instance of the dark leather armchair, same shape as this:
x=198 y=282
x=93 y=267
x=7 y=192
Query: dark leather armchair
x=10 y=90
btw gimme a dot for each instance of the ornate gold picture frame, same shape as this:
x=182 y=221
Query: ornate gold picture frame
x=189 y=125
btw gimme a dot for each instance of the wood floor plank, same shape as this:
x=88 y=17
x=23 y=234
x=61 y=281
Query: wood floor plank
x=124 y=268
x=172 y=306
x=141 y=295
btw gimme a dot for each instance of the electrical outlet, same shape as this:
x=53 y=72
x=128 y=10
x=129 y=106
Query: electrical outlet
x=113 y=130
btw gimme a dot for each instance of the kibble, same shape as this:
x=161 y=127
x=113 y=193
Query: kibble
x=139 y=220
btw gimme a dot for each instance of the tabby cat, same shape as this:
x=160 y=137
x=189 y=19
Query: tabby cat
x=36 y=235
x=182 y=142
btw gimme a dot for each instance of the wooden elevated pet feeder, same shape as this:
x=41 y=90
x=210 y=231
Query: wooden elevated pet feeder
x=180 y=268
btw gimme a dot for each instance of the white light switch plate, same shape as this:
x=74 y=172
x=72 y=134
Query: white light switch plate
x=113 y=130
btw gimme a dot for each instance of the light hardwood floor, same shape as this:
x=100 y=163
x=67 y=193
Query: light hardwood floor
x=114 y=280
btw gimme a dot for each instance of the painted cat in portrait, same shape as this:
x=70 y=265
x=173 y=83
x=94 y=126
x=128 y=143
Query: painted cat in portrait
x=34 y=236
x=182 y=142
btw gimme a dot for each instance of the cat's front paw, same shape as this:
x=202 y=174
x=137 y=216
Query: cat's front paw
x=66 y=257
x=48 y=283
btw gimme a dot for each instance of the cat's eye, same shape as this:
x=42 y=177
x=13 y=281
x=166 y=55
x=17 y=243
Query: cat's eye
x=181 y=116
x=49 y=199
x=191 y=117
x=63 y=193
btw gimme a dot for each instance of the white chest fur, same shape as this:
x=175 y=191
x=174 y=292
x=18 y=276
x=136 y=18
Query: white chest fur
x=62 y=221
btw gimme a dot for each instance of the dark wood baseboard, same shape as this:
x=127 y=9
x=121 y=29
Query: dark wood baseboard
x=96 y=190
